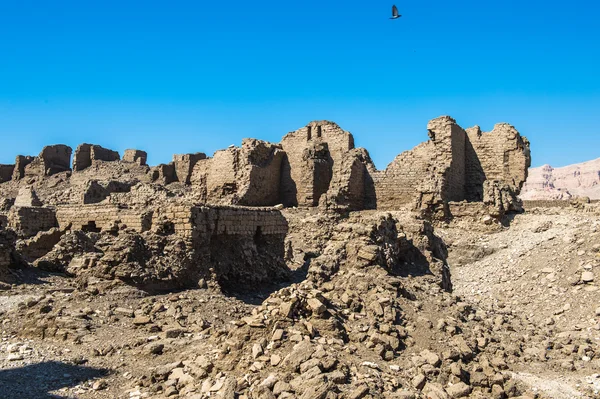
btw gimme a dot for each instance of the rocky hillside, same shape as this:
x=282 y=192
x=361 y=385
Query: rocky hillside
x=578 y=180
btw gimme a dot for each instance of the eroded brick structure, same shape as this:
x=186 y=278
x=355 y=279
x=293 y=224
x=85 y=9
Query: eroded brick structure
x=249 y=175
x=222 y=217
x=453 y=166
x=136 y=156
x=318 y=165
x=6 y=172
x=87 y=154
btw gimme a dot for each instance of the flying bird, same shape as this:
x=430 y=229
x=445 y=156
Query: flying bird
x=395 y=12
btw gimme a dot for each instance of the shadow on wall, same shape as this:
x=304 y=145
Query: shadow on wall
x=250 y=270
x=370 y=195
x=475 y=175
x=38 y=380
x=289 y=191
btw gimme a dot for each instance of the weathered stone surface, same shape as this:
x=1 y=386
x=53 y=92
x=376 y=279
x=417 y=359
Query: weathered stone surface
x=311 y=153
x=501 y=155
x=137 y=156
x=163 y=173
x=7 y=251
x=459 y=390
x=6 y=172
x=39 y=245
x=27 y=197
x=20 y=163
x=87 y=154
x=249 y=175
x=53 y=159
x=28 y=221
x=95 y=191
x=184 y=165
x=453 y=166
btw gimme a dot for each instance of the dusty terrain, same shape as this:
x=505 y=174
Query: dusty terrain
x=519 y=313
x=296 y=270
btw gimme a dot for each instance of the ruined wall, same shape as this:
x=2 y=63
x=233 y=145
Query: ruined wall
x=7 y=248
x=221 y=180
x=136 y=156
x=352 y=187
x=20 y=163
x=184 y=165
x=454 y=166
x=28 y=221
x=102 y=217
x=260 y=173
x=185 y=220
x=397 y=185
x=51 y=160
x=308 y=169
x=87 y=154
x=249 y=175
x=316 y=165
x=163 y=173
x=501 y=155
x=27 y=197
x=530 y=204
x=95 y=191
x=194 y=222
x=6 y=172
x=432 y=172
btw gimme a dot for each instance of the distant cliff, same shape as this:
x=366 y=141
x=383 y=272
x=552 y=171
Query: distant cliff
x=578 y=180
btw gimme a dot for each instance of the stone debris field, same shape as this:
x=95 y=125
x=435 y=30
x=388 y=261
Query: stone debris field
x=297 y=270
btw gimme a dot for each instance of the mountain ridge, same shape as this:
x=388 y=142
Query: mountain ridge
x=577 y=180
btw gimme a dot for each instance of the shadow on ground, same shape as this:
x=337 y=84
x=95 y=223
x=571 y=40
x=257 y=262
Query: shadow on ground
x=38 y=380
x=255 y=294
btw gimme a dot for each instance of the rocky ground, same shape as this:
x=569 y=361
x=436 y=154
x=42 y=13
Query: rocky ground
x=366 y=314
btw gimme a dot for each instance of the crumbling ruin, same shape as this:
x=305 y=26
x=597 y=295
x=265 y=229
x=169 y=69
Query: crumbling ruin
x=292 y=269
x=316 y=166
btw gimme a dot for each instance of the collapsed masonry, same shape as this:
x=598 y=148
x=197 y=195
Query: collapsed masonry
x=215 y=202
x=318 y=165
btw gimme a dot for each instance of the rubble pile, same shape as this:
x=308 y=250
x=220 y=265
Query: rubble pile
x=291 y=270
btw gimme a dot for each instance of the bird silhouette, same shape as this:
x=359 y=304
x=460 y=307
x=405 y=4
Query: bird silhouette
x=395 y=14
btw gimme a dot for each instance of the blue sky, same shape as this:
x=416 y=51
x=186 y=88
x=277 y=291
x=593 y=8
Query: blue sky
x=187 y=76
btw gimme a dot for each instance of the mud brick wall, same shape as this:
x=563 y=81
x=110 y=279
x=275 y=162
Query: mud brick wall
x=435 y=169
x=468 y=209
x=20 y=163
x=163 y=173
x=7 y=246
x=6 y=172
x=136 y=156
x=502 y=154
x=239 y=221
x=317 y=172
x=28 y=221
x=221 y=182
x=454 y=189
x=86 y=154
x=53 y=159
x=202 y=222
x=349 y=189
x=396 y=186
x=305 y=164
x=259 y=173
x=248 y=176
x=184 y=165
x=96 y=217
x=453 y=165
